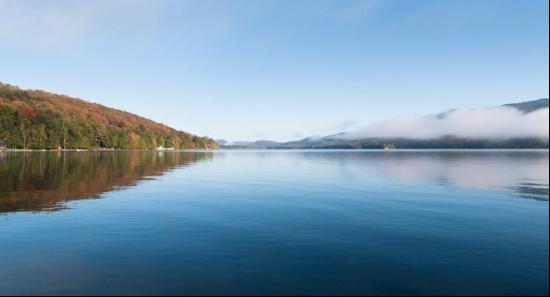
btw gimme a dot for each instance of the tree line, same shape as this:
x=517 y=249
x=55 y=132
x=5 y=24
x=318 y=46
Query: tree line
x=31 y=119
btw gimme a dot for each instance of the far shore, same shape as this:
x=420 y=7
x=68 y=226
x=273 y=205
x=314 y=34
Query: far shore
x=267 y=149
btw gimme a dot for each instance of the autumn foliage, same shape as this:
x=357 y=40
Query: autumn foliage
x=31 y=119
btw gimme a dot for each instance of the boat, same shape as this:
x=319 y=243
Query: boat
x=162 y=149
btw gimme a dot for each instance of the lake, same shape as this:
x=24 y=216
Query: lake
x=274 y=222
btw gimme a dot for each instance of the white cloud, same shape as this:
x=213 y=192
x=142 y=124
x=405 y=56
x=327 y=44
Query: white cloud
x=494 y=123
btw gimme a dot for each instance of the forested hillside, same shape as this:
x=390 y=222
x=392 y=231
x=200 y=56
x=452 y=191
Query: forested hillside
x=31 y=119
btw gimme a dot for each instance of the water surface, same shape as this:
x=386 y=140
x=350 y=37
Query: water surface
x=274 y=222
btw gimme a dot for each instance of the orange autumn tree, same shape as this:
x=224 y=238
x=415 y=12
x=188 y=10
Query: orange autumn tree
x=39 y=120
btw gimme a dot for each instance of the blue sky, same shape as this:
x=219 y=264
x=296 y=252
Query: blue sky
x=281 y=70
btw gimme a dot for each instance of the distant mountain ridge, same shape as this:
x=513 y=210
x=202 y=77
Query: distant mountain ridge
x=259 y=144
x=338 y=141
x=33 y=119
x=530 y=106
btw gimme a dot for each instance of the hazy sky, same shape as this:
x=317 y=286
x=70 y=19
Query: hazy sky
x=281 y=70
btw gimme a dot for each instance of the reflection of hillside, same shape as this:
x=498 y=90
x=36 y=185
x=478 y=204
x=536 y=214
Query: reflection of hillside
x=43 y=181
x=524 y=172
x=480 y=170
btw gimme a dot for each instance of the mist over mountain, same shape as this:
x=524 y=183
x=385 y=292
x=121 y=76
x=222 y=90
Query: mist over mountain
x=518 y=120
x=515 y=125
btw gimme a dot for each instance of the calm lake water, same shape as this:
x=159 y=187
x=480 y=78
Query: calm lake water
x=274 y=222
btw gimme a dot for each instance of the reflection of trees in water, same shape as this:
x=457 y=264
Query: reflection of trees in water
x=43 y=181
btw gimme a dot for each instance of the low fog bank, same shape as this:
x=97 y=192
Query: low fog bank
x=486 y=123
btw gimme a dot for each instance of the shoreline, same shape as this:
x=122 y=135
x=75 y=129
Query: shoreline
x=274 y=149
x=93 y=150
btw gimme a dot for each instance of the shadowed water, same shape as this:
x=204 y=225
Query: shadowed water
x=274 y=222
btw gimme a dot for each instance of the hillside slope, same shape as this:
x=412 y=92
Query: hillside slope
x=530 y=106
x=39 y=120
